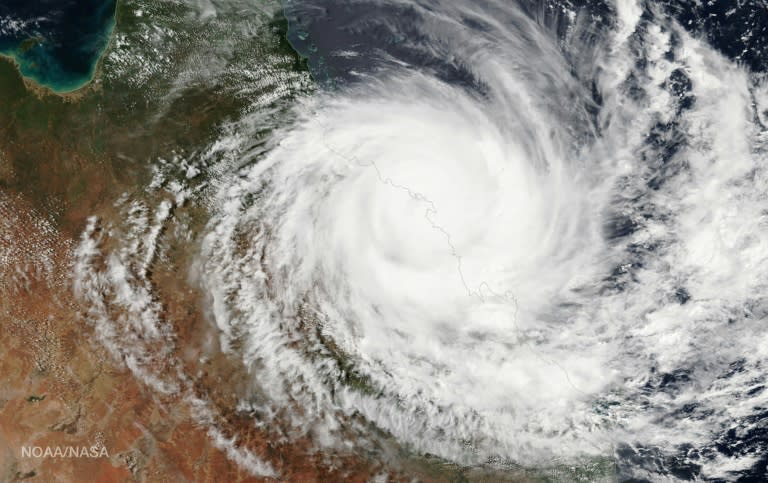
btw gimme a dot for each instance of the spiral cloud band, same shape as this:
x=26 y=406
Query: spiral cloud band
x=553 y=245
x=439 y=258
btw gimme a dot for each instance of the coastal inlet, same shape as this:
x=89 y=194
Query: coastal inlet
x=56 y=44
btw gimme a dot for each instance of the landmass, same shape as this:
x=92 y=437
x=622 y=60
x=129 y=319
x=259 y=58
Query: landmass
x=170 y=78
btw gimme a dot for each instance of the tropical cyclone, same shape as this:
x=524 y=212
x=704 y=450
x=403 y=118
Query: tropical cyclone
x=511 y=239
x=513 y=267
x=425 y=235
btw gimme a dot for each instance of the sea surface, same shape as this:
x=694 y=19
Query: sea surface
x=650 y=75
x=57 y=43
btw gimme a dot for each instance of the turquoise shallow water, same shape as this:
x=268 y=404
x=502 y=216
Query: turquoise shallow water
x=57 y=43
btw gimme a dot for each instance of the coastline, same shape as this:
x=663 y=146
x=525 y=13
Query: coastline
x=41 y=88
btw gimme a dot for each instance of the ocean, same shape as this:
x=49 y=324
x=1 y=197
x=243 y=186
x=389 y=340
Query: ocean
x=56 y=43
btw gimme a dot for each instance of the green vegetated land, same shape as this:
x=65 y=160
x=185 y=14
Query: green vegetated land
x=171 y=76
x=169 y=79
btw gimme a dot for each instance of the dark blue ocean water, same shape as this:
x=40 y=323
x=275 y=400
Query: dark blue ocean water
x=57 y=43
x=345 y=42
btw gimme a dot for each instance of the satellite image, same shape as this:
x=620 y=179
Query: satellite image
x=383 y=241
